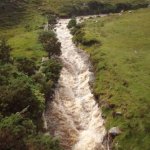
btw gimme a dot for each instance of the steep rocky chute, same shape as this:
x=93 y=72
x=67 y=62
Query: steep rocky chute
x=74 y=116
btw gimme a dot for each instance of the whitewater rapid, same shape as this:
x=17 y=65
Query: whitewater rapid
x=74 y=116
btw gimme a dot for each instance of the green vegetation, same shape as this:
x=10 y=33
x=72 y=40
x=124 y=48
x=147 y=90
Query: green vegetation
x=50 y=43
x=122 y=68
x=69 y=8
x=5 y=52
x=17 y=132
x=22 y=101
x=26 y=83
x=72 y=23
x=22 y=33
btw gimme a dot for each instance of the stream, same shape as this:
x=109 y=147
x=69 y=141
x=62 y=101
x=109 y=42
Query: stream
x=73 y=116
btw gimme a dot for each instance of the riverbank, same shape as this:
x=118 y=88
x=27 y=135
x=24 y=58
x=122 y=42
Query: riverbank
x=120 y=58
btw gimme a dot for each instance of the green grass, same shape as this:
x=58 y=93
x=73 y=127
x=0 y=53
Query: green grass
x=122 y=67
x=23 y=35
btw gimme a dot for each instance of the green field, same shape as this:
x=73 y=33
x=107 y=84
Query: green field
x=22 y=32
x=122 y=66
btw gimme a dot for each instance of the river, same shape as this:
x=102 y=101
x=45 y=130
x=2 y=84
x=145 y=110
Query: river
x=74 y=116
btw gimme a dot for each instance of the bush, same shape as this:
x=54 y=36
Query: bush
x=51 y=19
x=51 y=69
x=43 y=142
x=96 y=7
x=90 y=42
x=18 y=91
x=18 y=132
x=72 y=23
x=50 y=43
x=123 y=6
x=26 y=65
x=5 y=50
x=78 y=37
x=13 y=132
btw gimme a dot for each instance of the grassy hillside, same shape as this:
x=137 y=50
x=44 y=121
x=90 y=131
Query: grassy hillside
x=121 y=59
x=20 y=27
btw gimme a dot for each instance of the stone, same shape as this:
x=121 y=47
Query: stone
x=118 y=113
x=114 y=131
x=44 y=59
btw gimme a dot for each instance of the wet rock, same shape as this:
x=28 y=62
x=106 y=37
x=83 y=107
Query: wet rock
x=114 y=131
x=118 y=113
x=44 y=59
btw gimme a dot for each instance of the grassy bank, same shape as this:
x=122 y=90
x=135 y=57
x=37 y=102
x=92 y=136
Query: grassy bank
x=121 y=57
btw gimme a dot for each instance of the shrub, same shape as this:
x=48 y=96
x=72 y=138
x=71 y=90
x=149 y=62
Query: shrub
x=18 y=91
x=78 y=37
x=72 y=23
x=26 y=65
x=51 y=69
x=13 y=132
x=50 y=43
x=5 y=50
x=123 y=6
x=90 y=42
x=18 y=132
x=51 y=19
x=96 y=7
x=43 y=142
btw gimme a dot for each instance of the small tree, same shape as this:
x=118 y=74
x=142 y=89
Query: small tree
x=50 y=43
x=5 y=50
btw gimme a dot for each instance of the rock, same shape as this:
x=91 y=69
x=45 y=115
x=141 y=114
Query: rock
x=44 y=59
x=115 y=114
x=118 y=113
x=114 y=131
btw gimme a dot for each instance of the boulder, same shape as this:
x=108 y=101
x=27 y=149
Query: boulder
x=45 y=59
x=114 y=131
x=119 y=113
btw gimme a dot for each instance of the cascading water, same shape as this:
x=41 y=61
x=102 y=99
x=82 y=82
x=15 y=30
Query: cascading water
x=74 y=116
